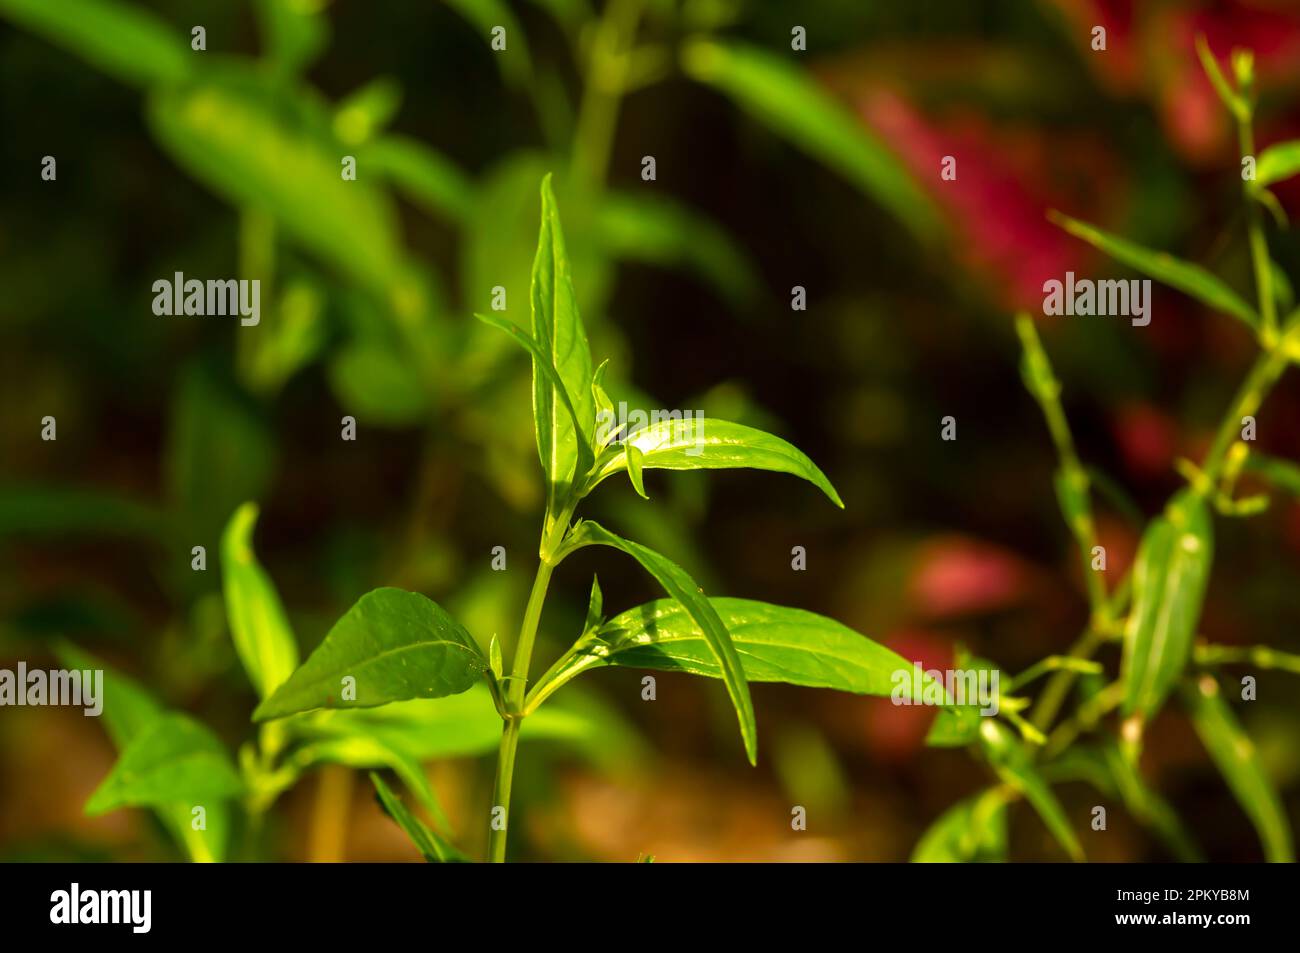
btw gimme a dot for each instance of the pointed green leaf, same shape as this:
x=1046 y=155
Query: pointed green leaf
x=1283 y=474
x=432 y=847
x=128 y=711
x=783 y=97
x=1188 y=278
x=1015 y=767
x=394 y=645
x=1169 y=579
x=1235 y=756
x=258 y=625
x=547 y=372
x=971 y=831
x=495 y=662
x=595 y=606
x=366 y=111
x=678 y=584
x=173 y=759
x=703 y=443
x=562 y=341
x=1278 y=162
x=122 y=39
x=634 y=464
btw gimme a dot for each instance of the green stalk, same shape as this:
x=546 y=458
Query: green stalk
x=606 y=78
x=1258 y=246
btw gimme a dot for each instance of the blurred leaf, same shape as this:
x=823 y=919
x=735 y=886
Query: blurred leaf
x=376 y=382
x=959 y=725
x=291 y=340
x=395 y=645
x=425 y=176
x=128 y=711
x=1016 y=769
x=433 y=848
x=172 y=759
x=364 y=750
x=220 y=453
x=119 y=38
x=294 y=32
x=255 y=148
x=1235 y=756
x=784 y=98
x=971 y=831
x=1169 y=579
x=51 y=511
x=658 y=231
x=683 y=589
x=1188 y=278
x=1277 y=162
x=708 y=444
x=562 y=340
x=1283 y=474
x=514 y=61
x=366 y=111
x=258 y=624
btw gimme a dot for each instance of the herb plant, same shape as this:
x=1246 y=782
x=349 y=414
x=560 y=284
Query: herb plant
x=1153 y=613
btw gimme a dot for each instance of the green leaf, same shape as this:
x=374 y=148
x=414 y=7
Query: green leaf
x=396 y=645
x=1277 y=162
x=774 y=644
x=782 y=97
x=1283 y=474
x=376 y=381
x=595 y=607
x=657 y=231
x=547 y=372
x=678 y=584
x=426 y=177
x=562 y=341
x=971 y=831
x=367 y=750
x=254 y=149
x=1015 y=768
x=634 y=463
x=1188 y=278
x=258 y=624
x=495 y=662
x=52 y=511
x=128 y=711
x=484 y=15
x=366 y=111
x=959 y=725
x=1232 y=751
x=433 y=848
x=703 y=443
x=1169 y=578
x=294 y=32
x=172 y=759
x=119 y=38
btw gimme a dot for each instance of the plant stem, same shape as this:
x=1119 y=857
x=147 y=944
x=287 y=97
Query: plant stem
x=1250 y=396
x=516 y=687
x=1058 y=686
x=605 y=76
x=1260 y=656
x=1258 y=246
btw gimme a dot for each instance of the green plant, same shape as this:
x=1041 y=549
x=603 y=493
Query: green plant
x=1154 y=611
x=393 y=646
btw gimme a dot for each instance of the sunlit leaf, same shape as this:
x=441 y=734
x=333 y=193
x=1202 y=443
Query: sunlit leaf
x=258 y=624
x=392 y=645
x=683 y=589
x=708 y=444
x=1188 y=278
x=1278 y=162
x=971 y=831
